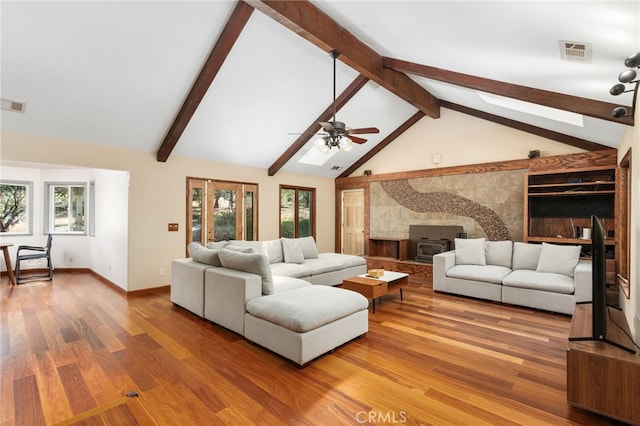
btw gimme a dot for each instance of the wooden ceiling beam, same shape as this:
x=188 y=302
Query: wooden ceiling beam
x=578 y=105
x=539 y=131
x=311 y=23
x=326 y=115
x=219 y=53
x=386 y=141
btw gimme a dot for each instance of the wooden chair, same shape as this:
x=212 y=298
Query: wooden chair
x=35 y=253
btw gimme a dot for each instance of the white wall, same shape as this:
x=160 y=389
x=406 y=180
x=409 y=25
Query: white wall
x=109 y=247
x=157 y=196
x=631 y=306
x=459 y=139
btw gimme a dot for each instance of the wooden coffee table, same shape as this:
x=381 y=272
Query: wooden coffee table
x=373 y=288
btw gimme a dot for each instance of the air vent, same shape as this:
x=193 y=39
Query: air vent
x=13 y=106
x=575 y=51
x=336 y=167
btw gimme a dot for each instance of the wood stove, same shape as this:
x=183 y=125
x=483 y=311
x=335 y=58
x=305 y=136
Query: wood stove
x=427 y=248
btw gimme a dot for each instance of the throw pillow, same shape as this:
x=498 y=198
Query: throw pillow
x=526 y=256
x=217 y=244
x=292 y=250
x=309 y=248
x=203 y=254
x=558 y=259
x=256 y=263
x=239 y=249
x=470 y=251
x=498 y=253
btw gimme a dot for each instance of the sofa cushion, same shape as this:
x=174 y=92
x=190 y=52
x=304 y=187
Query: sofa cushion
x=309 y=248
x=239 y=249
x=256 y=246
x=498 y=253
x=525 y=256
x=558 y=259
x=342 y=261
x=274 y=251
x=282 y=283
x=203 y=254
x=307 y=308
x=292 y=250
x=321 y=266
x=470 y=251
x=295 y=270
x=255 y=263
x=217 y=244
x=543 y=281
x=488 y=273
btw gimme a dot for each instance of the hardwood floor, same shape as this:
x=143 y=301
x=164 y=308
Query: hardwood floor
x=72 y=348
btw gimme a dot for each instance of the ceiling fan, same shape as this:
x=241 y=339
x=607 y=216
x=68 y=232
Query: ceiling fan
x=336 y=133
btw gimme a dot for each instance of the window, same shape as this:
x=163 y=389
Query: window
x=15 y=207
x=297 y=212
x=65 y=208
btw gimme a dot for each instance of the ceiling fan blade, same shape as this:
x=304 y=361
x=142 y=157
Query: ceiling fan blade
x=363 y=130
x=357 y=139
x=327 y=127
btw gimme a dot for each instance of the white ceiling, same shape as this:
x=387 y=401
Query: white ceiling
x=116 y=73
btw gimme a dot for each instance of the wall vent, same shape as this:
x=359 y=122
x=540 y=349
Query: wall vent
x=575 y=51
x=13 y=106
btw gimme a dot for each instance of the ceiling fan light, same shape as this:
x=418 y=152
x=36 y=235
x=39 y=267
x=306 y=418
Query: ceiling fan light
x=632 y=61
x=617 y=89
x=346 y=144
x=627 y=76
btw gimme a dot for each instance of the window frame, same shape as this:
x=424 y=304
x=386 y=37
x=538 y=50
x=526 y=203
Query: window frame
x=29 y=206
x=49 y=208
x=296 y=220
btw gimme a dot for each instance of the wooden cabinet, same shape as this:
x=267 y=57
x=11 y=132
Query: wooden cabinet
x=558 y=206
x=389 y=247
x=601 y=377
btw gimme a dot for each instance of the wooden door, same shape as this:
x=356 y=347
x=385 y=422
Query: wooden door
x=353 y=222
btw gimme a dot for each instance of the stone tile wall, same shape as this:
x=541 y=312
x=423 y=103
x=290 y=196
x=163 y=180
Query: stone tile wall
x=489 y=204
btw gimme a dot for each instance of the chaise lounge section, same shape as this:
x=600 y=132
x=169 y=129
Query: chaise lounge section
x=244 y=287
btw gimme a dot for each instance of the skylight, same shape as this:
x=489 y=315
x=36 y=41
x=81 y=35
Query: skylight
x=316 y=157
x=534 y=109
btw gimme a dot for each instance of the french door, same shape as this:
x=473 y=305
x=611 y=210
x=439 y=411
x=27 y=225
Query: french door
x=221 y=211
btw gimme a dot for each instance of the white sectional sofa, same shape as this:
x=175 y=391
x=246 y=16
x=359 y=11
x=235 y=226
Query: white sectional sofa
x=542 y=276
x=264 y=291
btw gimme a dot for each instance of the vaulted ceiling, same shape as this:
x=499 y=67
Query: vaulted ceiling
x=246 y=82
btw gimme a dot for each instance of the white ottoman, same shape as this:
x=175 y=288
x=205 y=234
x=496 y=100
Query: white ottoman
x=304 y=323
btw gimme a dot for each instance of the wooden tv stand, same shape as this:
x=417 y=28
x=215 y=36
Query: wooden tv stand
x=601 y=377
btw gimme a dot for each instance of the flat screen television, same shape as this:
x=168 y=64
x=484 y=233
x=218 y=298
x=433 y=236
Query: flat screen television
x=600 y=309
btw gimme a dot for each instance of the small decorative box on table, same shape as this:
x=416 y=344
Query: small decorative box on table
x=374 y=287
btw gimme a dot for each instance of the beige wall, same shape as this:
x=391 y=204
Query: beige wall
x=460 y=140
x=631 y=306
x=157 y=196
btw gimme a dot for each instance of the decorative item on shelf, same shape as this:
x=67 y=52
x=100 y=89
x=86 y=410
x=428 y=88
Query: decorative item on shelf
x=375 y=273
x=626 y=77
x=534 y=153
x=367 y=172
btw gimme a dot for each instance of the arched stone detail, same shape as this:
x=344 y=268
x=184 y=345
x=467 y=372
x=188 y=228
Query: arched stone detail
x=445 y=202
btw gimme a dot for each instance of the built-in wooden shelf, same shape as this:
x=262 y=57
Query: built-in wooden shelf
x=601 y=377
x=389 y=247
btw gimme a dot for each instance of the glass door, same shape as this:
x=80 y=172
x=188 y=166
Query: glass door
x=221 y=211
